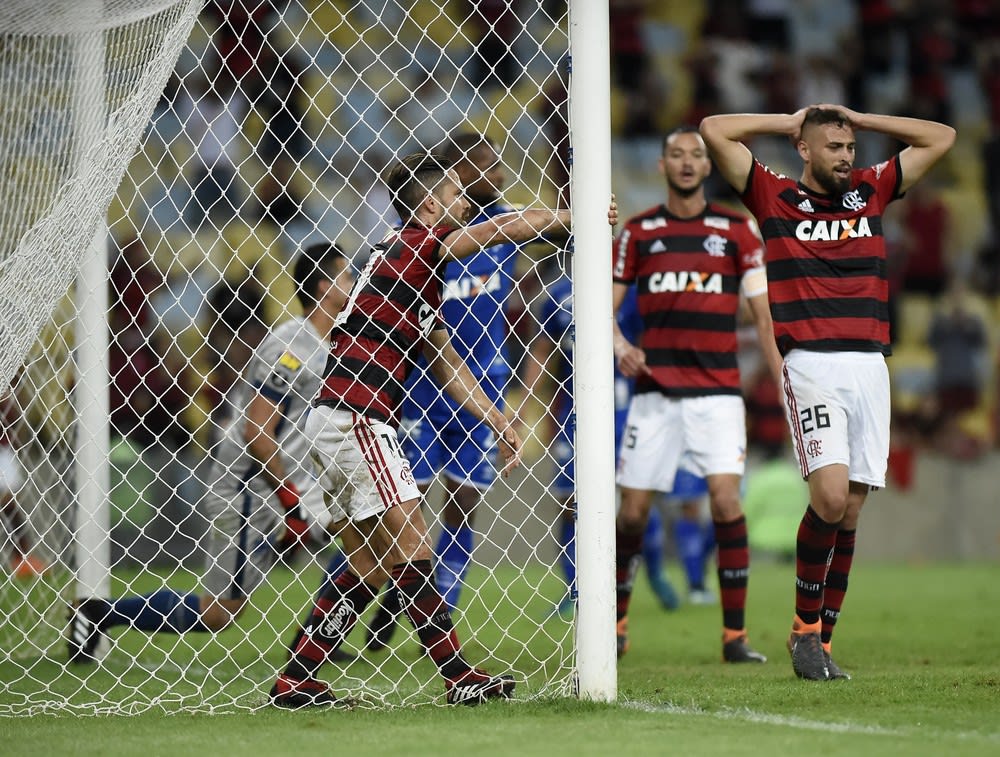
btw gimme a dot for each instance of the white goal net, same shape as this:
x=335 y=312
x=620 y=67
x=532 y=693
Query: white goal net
x=222 y=139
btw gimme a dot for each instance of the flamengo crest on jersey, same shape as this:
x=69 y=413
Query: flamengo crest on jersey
x=687 y=273
x=826 y=263
x=391 y=309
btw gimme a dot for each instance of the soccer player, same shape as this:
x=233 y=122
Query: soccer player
x=438 y=436
x=257 y=477
x=829 y=299
x=390 y=317
x=691 y=260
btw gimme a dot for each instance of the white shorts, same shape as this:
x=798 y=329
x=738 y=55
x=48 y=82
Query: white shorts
x=704 y=435
x=837 y=405
x=359 y=463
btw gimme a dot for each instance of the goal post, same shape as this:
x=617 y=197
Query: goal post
x=590 y=127
x=190 y=152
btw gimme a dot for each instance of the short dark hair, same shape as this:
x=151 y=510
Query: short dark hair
x=824 y=116
x=315 y=263
x=683 y=129
x=410 y=179
x=462 y=145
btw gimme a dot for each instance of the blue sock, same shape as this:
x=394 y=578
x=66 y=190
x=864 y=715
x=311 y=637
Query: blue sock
x=691 y=550
x=652 y=544
x=336 y=566
x=567 y=553
x=454 y=553
x=166 y=610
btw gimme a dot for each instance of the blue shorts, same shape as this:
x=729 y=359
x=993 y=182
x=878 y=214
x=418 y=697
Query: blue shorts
x=687 y=485
x=463 y=454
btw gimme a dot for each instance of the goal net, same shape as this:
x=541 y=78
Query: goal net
x=218 y=141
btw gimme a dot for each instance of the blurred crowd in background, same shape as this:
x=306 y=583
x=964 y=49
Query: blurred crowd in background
x=273 y=130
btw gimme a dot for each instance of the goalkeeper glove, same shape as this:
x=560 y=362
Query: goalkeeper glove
x=296 y=531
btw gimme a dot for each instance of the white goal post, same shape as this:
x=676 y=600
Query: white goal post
x=167 y=161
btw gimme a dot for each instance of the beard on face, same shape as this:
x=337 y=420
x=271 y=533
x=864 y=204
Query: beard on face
x=830 y=182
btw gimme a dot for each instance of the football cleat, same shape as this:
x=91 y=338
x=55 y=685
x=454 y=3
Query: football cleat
x=738 y=649
x=293 y=694
x=806 y=649
x=477 y=686
x=834 y=671
x=84 y=633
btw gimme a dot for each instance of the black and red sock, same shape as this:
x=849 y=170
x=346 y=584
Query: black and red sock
x=733 y=558
x=336 y=611
x=816 y=539
x=430 y=616
x=628 y=552
x=836 y=581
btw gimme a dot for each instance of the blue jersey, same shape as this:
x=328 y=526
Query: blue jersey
x=630 y=323
x=475 y=293
x=556 y=319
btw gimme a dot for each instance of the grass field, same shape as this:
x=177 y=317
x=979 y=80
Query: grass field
x=920 y=640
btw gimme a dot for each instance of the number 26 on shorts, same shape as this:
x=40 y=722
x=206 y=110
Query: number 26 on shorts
x=813 y=418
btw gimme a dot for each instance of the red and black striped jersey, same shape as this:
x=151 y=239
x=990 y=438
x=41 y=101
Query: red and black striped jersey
x=376 y=338
x=826 y=265
x=687 y=273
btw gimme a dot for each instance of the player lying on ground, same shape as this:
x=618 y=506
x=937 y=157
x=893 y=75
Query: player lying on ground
x=253 y=497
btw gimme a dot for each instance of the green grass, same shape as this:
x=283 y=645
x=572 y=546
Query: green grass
x=920 y=641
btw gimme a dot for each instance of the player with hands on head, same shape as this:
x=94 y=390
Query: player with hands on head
x=691 y=261
x=256 y=475
x=392 y=316
x=828 y=290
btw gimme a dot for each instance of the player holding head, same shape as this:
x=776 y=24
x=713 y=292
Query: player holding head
x=392 y=316
x=691 y=261
x=829 y=292
x=257 y=474
x=438 y=436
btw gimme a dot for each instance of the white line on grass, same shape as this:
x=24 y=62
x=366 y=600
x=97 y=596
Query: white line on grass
x=791 y=721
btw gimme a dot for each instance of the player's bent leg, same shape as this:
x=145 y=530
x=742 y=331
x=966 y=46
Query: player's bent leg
x=357 y=557
x=401 y=534
x=335 y=613
x=817 y=536
x=838 y=573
